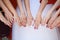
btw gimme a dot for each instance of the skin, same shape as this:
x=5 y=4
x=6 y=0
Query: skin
x=4 y=20
x=38 y=16
x=53 y=18
x=13 y=11
x=22 y=13
x=6 y=11
x=49 y=13
x=56 y=23
x=29 y=15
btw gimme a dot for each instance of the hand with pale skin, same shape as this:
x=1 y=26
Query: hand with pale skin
x=22 y=13
x=13 y=11
x=4 y=20
x=17 y=19
x=51 y=22
x=29 y=15
x=56 y=23
x=8 y=14
x=23 y=20
x=49 y=13
x=38 y=16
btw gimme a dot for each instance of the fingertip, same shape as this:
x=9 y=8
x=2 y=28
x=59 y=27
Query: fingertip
x=51 y=27
x=35 y=27
x=43 y=24
x=47 y=26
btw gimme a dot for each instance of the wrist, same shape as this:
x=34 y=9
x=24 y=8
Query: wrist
x=28 y=12
x=39 y=13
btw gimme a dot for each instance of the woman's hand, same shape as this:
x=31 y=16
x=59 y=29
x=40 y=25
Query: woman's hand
x=38 y=16
x=9 y=17
x=17 y=19
x=13 y=11
x=3 y=19
x=56 y=23
x=29 y=20
x=23 y=19
x=37 y=21
x=7 y=13
x=53 y=19
x=49 y=13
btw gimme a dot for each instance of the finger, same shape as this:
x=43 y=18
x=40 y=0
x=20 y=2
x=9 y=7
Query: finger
x=29 y=22
x=24 y=23
x=2 y=18
x=58 y=25
x=46 y=18
x=5 y=9
x=11 y=19
x=9 y=24
x=10 y=6
x=53 y=17
x=55 y=22
x=36 y=25
x=19 y=23
x=17 y=20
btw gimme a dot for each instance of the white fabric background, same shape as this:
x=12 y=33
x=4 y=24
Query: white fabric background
x=29 y=33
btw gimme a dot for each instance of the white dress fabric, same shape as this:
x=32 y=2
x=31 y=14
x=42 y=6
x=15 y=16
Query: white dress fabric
x=28 y=32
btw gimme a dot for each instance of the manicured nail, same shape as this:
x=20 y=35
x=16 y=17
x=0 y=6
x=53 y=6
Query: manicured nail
x=35 y=27
x=47 y=26
x=24 y=25
x=51 y=27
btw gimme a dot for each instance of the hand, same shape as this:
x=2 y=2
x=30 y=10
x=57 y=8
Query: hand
x=47 y=17
x=3 y=19
x=8 y=23
x=6 y=12
x=29 y=20
x=17 y=20
x=23 y=19
x=56 y=23
x=53 y=19
x=37 y=21
x=49 y=13
x=9 y=17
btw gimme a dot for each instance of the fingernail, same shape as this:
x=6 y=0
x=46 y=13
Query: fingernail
x=24 y=25
x=35 y=27
x=43 y=24
x=51 y=27
x=47 y=26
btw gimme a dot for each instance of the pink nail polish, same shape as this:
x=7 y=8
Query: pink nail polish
x=24 y=25
x=51 y=28
x=35 y=27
